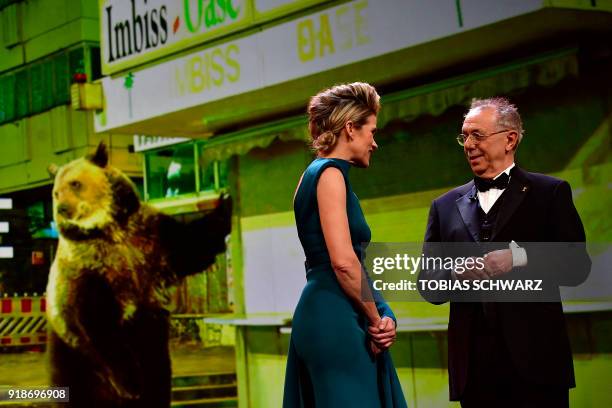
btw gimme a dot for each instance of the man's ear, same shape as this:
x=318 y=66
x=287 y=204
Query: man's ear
x=52 y=170
x=100 y=157
x=512 y=141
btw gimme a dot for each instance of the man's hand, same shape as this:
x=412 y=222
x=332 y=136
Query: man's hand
x=472 y=273
x=383 y=335
x=497 y=263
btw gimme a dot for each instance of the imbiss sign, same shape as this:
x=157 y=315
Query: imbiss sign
x=137 y=31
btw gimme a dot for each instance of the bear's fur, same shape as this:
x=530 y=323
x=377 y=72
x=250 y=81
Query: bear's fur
x=116 y=257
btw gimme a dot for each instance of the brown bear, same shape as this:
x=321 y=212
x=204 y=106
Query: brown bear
x=116 y=258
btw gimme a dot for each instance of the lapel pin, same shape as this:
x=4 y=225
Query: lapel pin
x=524 y=189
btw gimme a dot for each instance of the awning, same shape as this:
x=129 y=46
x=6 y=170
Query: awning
x=431 y=99
x=224 y=146
x=434 y=99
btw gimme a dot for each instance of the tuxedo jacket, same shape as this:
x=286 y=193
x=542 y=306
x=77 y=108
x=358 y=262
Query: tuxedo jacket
x=535 y=208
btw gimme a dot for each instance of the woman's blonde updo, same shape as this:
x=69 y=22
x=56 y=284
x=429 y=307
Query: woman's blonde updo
x=331 y=109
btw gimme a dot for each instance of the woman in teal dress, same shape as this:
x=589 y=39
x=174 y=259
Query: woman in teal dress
x=338 y=354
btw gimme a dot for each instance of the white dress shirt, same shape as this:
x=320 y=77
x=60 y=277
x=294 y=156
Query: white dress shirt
x=489 y=197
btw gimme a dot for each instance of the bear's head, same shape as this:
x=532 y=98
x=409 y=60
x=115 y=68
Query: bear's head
x=90 y=197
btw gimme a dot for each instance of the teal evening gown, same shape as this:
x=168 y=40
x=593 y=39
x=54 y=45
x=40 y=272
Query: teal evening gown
x=329 y=362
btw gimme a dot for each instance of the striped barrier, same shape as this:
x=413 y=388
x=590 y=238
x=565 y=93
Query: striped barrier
x=23 y=321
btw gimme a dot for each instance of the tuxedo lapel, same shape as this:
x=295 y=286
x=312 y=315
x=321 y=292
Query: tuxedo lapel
x=512 y=198
x=468 y=208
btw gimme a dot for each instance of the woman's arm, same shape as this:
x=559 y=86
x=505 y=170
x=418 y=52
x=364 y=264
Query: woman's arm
x=331 y=197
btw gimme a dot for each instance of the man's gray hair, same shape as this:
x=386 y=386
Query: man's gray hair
x=507 y=114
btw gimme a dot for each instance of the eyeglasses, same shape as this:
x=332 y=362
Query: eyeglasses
x=477 y=137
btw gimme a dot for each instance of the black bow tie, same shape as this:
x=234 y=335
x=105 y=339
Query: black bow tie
x=486 y=184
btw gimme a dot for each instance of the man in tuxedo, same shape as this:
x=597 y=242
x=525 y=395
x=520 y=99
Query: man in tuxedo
x=507 y=354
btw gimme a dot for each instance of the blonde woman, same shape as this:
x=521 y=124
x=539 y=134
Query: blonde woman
x=338 y=352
